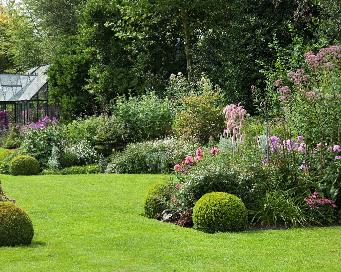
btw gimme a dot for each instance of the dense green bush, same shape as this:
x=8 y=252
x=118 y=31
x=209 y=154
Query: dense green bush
x=24 y=165
x=144 y=118
x=110 y=134
x=15 y=226
x=102 y=132
x=158 y=199
x=150 y=157
x=200 y=115
x=219 y=212
x=83 y=129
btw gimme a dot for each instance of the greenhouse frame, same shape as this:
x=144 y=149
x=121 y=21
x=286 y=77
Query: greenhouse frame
x=24 y=97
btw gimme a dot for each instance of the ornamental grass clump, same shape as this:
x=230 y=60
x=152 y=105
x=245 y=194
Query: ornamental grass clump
x=219 y=212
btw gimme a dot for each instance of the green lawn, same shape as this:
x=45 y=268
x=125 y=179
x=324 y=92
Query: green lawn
x=94 y=223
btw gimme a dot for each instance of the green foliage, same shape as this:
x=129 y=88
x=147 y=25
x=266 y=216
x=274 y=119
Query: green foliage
x=12 y=139
x=224 y=173
x=40 y=142
x=68 y=159
x=144 y=118
x=279 y=208
x=219 y=212
x=200 y=115
x=15 y=226
x=84 y=129
x=150 y=157
x=24 y=165
x=5 y=159
x=74 y=170
x=322 y=216
x=102 y=132
x=110 y=134
x=315 y=111
x=157 y=199
x=82 y=151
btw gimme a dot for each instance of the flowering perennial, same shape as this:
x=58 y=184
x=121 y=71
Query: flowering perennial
x=43 y=123
x=315 y=201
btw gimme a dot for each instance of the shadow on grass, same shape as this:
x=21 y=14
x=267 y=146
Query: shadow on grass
x=36 y=244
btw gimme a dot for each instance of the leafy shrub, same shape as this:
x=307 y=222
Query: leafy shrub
x=200 y=115
x=24 y=165
x=15 y=226
x=82 y=151
x=40 y=142
x=83 y=129
x=308 y=96
x=321 y=210
x=150 y=157
x=219 y=212
x=157 y=199
x=5 y=159
x=279 y=208
x=223 y=173
x=103 y=132
x=78 y=170
x=74 y=170
x=144 y=118
x=13 y=138
x=68 y=159
x=110 y=134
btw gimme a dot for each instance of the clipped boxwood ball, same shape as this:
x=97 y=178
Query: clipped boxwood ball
x=15 y=226
x=24 y=165
x=156 y=200
x=219 y=212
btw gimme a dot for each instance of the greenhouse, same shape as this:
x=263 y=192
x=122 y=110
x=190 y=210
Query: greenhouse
x=24 y=97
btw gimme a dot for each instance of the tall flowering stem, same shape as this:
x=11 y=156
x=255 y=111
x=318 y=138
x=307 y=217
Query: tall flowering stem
x=234 y=118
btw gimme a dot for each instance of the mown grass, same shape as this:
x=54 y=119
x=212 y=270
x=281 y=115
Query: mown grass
x=94 y=223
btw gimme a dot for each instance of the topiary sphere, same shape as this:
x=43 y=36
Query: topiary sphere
x=15 y=226
x=219 y=212
x=157 y=198
x=24 y=165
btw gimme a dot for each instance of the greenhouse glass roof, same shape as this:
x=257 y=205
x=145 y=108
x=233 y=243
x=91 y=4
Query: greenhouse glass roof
x=16 y=87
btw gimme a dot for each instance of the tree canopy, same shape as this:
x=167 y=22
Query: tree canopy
x=99 y=49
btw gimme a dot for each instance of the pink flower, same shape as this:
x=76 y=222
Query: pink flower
x=178 y=168
x=290 y=145
x=337 y=158
x=189 y=160
x=336 y=148
x=199 y=152
x=278 y=83
x=298 y=76
x=284 y=90
x=301 y=148
x=215 y=151
x=179 y=186
x=310 y=95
